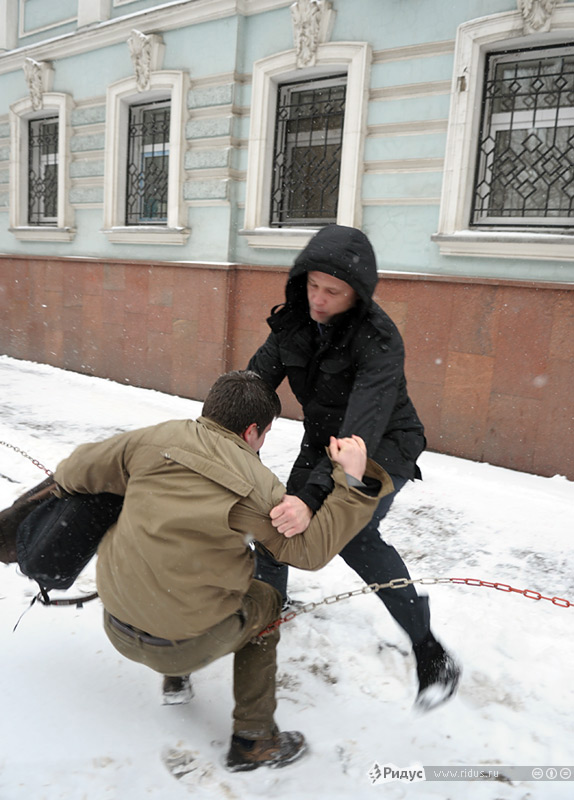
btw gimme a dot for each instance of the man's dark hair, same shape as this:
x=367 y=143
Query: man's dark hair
x=239 y=398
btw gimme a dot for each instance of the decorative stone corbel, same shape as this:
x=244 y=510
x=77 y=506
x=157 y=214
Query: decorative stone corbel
x=146 y=52
x=537 y=14
x=312 y=22
x=39 y=77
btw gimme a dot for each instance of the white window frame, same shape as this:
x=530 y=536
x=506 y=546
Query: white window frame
x=454 y=236
x=58 y=105
x=164 y=85
x=354 y=58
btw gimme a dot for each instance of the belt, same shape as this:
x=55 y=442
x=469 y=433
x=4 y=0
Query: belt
x=141 y=636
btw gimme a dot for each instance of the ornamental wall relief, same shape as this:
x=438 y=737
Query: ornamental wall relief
x=537 y=14
x=146 y=51
x=312 y=23
x=39 y=77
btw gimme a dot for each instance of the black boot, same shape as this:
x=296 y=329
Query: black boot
x=177 y=690
x=437 y=671
x=11 y=517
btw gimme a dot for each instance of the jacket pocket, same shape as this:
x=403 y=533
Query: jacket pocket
x=334 y=382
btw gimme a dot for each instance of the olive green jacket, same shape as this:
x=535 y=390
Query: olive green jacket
x=180 y=557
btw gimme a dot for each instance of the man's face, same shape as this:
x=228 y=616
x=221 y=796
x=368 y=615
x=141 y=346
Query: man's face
x=255 y=439
x=328 y=296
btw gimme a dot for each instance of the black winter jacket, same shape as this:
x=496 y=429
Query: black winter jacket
x=349 y=378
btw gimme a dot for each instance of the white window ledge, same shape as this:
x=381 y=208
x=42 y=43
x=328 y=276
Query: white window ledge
x=279 y=238
x=501 y=244
x=147 y=235
x=43 y=234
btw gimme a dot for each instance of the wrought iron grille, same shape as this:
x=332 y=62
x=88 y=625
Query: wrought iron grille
x=43 y=171
x=525 y=165
x=307 y=152
x=148 y=164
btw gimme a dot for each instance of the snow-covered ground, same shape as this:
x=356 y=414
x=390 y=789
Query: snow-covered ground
x=78 y=722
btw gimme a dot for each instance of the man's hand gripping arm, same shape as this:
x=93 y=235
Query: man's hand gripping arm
x=292 y=516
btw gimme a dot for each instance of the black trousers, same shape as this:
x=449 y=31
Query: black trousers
x=374 y=561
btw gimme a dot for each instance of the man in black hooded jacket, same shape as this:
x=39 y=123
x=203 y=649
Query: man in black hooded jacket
x=344 y=360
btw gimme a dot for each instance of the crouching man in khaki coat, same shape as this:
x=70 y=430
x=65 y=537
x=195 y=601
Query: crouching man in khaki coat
x=175 y=573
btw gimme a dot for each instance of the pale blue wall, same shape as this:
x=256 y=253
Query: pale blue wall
x=214 y=50
x=205 y=49
x=41 y=20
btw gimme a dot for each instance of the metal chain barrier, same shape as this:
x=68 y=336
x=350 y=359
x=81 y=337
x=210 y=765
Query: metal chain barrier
x=33 y=460
x=396 y=583
x=399 y=583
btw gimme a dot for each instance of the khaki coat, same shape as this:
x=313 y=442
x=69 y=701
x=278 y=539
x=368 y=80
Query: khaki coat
x=180 y=557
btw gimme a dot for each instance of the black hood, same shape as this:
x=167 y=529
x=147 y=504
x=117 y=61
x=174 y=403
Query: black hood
x=345 y=253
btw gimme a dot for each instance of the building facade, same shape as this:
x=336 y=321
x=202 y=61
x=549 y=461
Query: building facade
x=162 y=164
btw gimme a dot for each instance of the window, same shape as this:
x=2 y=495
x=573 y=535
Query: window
x=306 y=123
x=509 y=158
x=307 y=152
x=143 y=173
x=40 y=209
x=526 y=145
x=43 y=171
x=148 y=164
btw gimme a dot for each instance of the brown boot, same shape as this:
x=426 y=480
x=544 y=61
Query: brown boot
x=278 y=751
x=11 y=517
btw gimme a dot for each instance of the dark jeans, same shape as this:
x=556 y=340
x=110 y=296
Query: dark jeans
x=375 y=562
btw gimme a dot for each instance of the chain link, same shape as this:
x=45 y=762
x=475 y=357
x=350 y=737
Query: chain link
x=400 y=583
x=396 y=583
x=33 y=460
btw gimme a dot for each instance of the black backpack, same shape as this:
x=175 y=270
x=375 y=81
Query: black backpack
x=60 y=536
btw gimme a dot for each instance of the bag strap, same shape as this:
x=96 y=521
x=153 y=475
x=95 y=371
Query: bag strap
x=44 y=598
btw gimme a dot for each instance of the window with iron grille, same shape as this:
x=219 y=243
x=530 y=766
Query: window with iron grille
x=43 y=171
x=307 y=152
x=148 y=164
x=525 y=165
